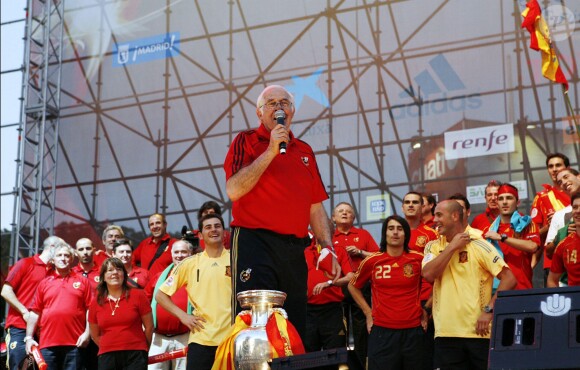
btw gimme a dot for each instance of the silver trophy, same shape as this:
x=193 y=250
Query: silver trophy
x=252 y=351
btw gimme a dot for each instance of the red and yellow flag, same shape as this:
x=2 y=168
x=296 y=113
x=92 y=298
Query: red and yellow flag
x=540 y=40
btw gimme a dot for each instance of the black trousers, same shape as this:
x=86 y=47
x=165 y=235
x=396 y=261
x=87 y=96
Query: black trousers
x=395 y=348
x=200 y=357
x=123 y=360
x=461 y=353
x=262 y=259
x=325 y=327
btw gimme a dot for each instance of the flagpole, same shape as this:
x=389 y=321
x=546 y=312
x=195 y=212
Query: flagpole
x=571 y=110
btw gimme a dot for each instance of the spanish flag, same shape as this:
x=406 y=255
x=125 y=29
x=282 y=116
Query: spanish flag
x=283 y=337
x=540 y=40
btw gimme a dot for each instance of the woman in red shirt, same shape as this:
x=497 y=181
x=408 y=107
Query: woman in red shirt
x=116 y=319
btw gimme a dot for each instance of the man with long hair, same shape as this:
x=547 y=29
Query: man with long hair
x=396 y=322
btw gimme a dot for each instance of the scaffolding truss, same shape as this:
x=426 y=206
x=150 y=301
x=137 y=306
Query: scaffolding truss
x=38 y=152
x=151 y=136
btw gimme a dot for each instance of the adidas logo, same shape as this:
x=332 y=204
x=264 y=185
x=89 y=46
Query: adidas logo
x=435 y=83
x=215 y=264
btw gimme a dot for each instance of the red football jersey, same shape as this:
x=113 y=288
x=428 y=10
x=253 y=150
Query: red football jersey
x=395 y=287
x=566 y=259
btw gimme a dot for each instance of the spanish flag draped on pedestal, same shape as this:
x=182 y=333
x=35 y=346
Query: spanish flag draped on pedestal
x=283 y=337
x=540 y=40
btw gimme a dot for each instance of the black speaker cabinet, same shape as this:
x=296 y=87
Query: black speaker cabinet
x=328 y=359
x=536 y=329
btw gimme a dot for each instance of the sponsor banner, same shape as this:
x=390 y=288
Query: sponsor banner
x=378 y=207
x=442 y=90
x=479 y=141
x=145 y=50
x=436 y=170
x=476 y=193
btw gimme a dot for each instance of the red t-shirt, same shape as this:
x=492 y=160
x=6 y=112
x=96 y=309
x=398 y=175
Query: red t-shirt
x=483 y=220
x=430 y=223
x=421 y=236
x=166 y=322
x=92 y=274
x=62 y=303
x=140 y=276
x=542 y=205
x=281 y=200
x=147 y=249
x=519 y=262
x=24 y=278
x=360 y=238
x=567 y=259
x=122 y=331
x=395 y=287
x=419 y=239
x=332 y=293
x=100 y=257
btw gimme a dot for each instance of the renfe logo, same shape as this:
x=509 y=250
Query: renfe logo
x=479 y=141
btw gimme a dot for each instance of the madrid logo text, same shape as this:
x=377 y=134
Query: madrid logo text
x=441 y=89
x=144 y=50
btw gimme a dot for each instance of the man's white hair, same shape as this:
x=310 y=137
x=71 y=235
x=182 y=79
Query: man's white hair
x=259 y=101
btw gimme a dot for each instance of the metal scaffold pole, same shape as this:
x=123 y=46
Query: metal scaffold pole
x=38 y=132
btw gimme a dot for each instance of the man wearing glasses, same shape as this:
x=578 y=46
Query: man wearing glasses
x=274 y=198
x=485 y=219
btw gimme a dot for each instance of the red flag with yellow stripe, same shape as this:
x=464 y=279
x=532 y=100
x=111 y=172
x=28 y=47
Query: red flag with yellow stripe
x=540 y=40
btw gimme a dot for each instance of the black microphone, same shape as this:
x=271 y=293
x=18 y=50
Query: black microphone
x=280 y=116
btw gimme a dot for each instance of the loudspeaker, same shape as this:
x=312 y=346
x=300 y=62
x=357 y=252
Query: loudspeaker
x=536 y=329
x=327 y=360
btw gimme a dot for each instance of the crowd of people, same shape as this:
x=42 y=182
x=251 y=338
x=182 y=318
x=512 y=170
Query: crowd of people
x=422 y=298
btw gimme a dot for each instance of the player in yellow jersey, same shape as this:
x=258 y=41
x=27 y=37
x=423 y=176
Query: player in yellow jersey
x=461 y=265
x=209 y=289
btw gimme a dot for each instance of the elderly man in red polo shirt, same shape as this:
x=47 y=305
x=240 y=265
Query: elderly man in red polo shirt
x=359 y=244
x=61 y=303
x=276 y=191
x=18 y=291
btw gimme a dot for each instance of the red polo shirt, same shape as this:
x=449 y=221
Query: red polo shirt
x=395 y=287
x=419 y=239
x=147 y=249
x=24 y=278
x=92 y=275
x=567 y=259
x=483 y=220
x=140 y=276
x=122 y=331
x=281 y=200
x=332 y=293
x=360 y=238
x=167 y=324
x=62 y=303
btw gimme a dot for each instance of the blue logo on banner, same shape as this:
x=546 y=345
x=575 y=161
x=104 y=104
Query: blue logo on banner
x=378 y=206
x=145 y=50
x=307 y=86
